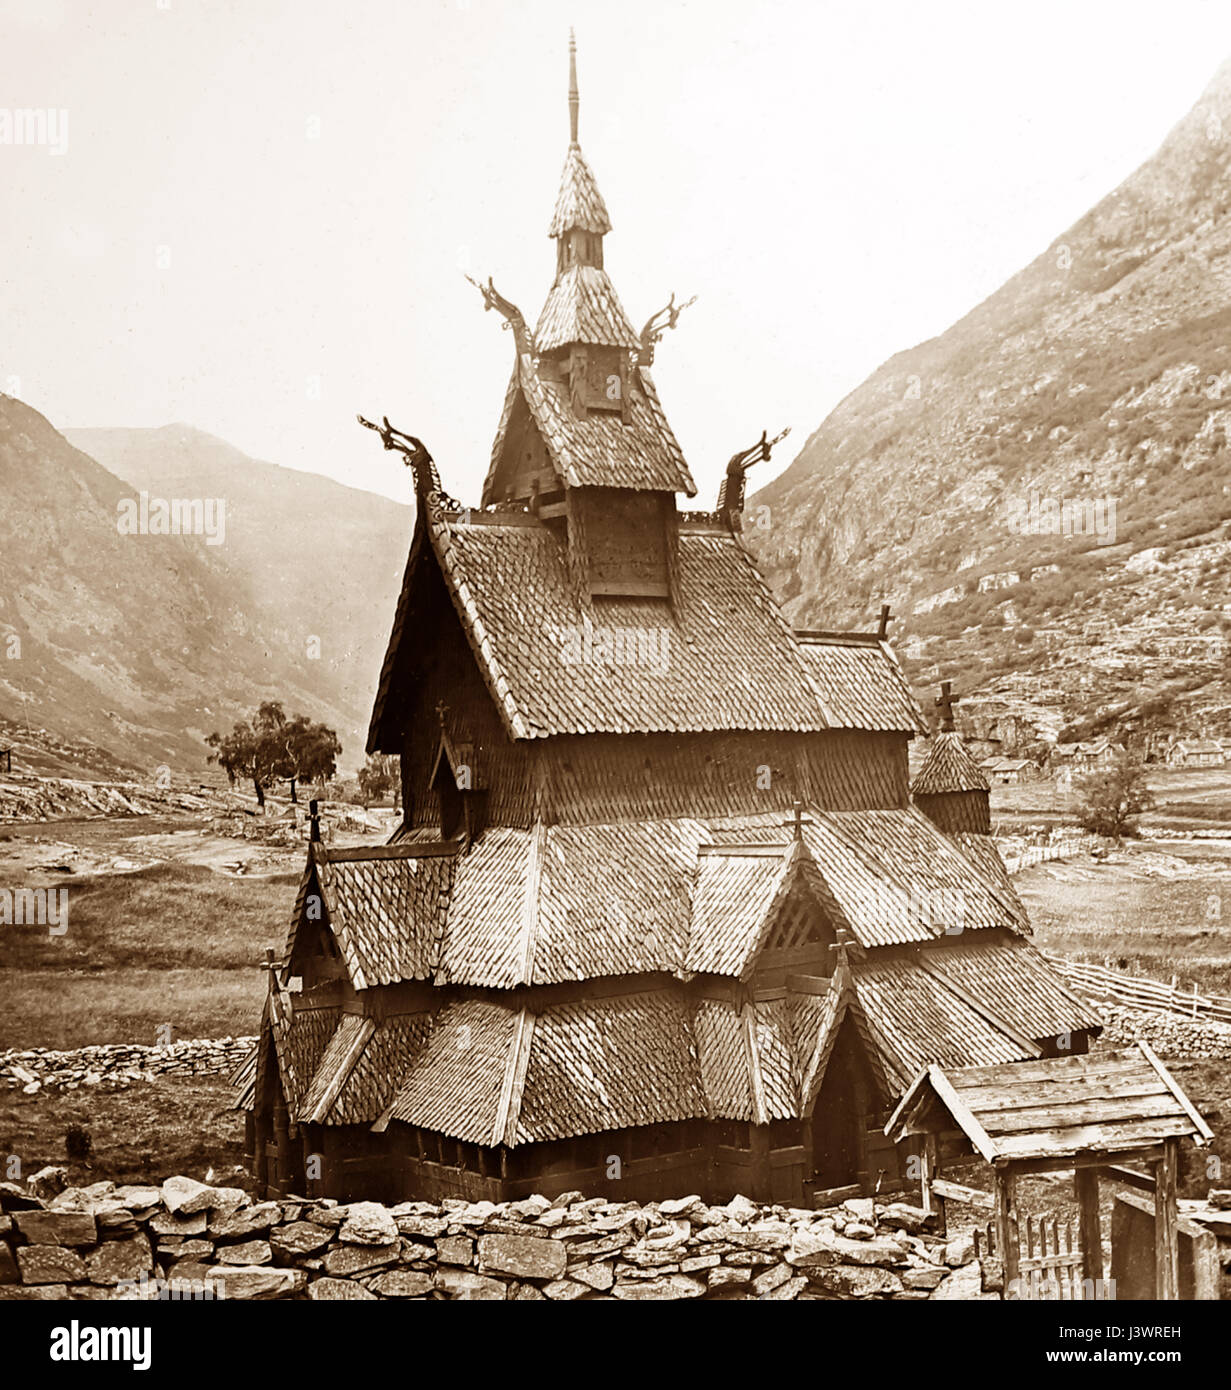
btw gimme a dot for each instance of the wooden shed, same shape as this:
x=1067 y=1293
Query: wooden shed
x=1084 y=1113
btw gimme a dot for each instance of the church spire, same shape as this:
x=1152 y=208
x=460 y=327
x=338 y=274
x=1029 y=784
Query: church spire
x=574 y=100
x=580 y=221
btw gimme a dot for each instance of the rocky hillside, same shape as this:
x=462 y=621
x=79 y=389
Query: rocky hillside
x=130 y=649
x=1044 y=491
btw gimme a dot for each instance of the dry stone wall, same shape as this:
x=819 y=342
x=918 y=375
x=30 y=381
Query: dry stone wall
x=185 y=1239
x=1169 y=1035
x=119 y=1064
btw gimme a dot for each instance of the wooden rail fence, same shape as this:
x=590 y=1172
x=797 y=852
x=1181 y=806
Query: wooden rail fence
x=1101 y=982
x=1056 y=849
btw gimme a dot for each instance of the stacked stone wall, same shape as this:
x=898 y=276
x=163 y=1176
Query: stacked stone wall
x=186 y=1239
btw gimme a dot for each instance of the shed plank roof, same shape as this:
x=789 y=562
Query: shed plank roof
x=1054 y=1107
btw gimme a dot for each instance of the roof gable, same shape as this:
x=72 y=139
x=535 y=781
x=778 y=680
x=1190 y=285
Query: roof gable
x=723 y=657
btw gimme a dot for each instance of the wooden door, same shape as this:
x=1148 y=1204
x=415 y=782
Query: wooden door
x=838 y=1118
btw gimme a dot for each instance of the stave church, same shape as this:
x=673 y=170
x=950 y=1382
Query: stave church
x=665 y=912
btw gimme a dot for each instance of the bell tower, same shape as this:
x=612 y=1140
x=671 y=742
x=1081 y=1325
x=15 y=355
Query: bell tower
x=583 y=442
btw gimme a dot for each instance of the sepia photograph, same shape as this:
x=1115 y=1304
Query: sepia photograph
x=614 y=670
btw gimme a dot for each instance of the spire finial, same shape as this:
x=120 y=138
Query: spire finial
x=945 y=701
x=574 y=101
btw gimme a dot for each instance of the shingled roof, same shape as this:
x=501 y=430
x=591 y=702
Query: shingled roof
x=579 y=203
x=747 y=1058
x=583 y=307
x=545 y=904
x=860 y=682
x=637 y=450
x=300 y=1037
x=995 y=1001
x=730 y=661
x=492 y=1072
x=360 y=1068
x=948 y=767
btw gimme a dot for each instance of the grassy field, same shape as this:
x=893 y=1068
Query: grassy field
x=173 y=944
x=178 y=1124
x=1153 y=926
x=1184 y=799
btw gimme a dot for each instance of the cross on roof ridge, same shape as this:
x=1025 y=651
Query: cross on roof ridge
x=798 y=822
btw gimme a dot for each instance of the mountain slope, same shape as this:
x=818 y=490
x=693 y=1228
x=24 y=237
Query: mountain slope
x=323 y=562
x=143 y=644
x=1098 y=377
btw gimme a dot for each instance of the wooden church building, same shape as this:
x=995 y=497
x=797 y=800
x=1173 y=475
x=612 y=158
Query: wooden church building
x=663 y=915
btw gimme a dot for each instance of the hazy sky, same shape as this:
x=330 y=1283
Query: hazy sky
x=260 y=221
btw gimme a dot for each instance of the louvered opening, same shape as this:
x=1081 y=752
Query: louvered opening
x=799 y=924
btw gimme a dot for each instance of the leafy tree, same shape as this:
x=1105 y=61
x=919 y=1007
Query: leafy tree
x=380 y=775
x=269 y=747
x=1110 y=798
x=246 y=752
x=309 y=751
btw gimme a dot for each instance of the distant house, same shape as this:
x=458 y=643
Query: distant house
x=1197 y=752
x=1007 y=772
x=1092 y=753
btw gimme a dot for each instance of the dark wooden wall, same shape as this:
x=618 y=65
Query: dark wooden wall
x=717 y=1159
x=955 y=811
x=523 y=465
x=627 y=537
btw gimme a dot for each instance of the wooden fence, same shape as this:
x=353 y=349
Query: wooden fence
x=1055 y=849
x=1050 y=1264
x=1101 y=982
